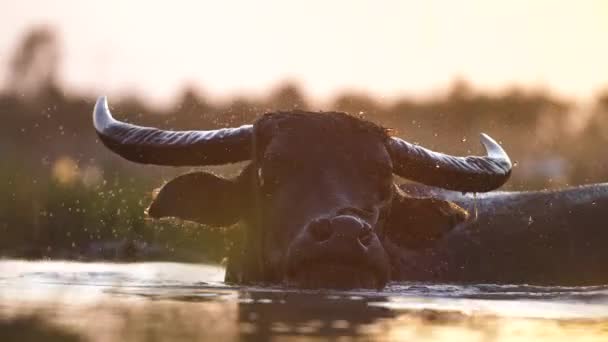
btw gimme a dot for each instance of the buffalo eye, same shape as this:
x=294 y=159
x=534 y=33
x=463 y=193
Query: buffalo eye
x=260 y=175
x=267 y=180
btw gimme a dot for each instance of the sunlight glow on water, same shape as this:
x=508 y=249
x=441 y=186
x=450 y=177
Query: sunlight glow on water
x=95 y=301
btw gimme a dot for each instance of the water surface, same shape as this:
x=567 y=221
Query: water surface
x=71 y=301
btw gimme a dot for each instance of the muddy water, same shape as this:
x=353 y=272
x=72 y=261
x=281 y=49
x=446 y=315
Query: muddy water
x=67 y=301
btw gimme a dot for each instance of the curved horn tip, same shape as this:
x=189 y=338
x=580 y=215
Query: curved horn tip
x=102 y=117
x=493 y=149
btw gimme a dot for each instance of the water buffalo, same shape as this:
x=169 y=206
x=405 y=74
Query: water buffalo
x=317 y=200
x=550 y=237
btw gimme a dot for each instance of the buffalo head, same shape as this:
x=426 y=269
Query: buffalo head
x=317 y=199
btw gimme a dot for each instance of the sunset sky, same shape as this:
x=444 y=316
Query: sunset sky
x=389 y=48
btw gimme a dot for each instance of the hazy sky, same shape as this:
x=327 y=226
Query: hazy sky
x=386 y=47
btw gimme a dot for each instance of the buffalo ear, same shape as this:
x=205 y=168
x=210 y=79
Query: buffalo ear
x=417 y=223
x=200 y=197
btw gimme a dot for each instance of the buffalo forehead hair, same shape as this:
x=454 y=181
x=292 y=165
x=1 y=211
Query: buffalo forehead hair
x=338 y=120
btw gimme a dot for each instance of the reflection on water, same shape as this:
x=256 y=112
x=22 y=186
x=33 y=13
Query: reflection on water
x=64 y=301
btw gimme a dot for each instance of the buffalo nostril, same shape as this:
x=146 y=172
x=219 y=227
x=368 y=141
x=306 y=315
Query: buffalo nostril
x=320 y=230
x=366 y=236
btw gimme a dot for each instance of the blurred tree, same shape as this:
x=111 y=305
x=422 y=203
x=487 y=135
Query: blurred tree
x=460 y=90
x=287 y=97
x=34 y=67
x=356 y=104
x=192 y=111
x=588 y=151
